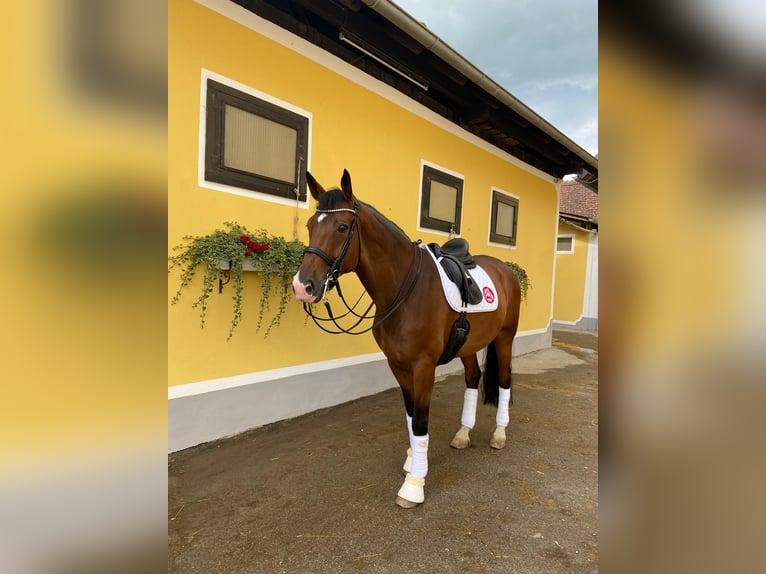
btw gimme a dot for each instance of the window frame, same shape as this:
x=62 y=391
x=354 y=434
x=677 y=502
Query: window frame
x=430 y=173
x=571 y=249
x=500 y=196
x=218 y=94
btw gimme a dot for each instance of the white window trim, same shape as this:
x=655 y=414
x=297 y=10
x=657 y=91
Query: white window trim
x=568 y=252
x=202 y=182
x=492 y=191
x=423 y=164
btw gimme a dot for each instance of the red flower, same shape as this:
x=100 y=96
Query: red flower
x=253 y=247
x=244 y=238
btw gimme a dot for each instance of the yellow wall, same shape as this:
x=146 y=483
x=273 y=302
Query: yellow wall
x=380 y=143
x=82 y=161
x=570 y=277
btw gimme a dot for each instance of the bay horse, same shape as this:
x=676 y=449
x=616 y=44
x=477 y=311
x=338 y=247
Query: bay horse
x=413 y=321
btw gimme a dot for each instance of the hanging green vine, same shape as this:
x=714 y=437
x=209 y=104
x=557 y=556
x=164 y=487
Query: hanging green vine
x=521 y=275
x=270 y=255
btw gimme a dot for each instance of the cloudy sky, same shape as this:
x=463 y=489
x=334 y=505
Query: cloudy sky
x=544 y=52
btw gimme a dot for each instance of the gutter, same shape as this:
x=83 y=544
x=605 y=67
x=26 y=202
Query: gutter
x=570 y=223
x=437 y=46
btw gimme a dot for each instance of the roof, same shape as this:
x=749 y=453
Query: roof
x=578 y=202
x=385 y=42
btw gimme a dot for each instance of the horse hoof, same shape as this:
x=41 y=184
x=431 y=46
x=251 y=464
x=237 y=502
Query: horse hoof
x=460 y=442
x=403 y=503
x=461 y=439
x=498 y=438
x=497 y=443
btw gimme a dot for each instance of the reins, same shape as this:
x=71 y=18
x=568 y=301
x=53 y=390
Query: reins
x=332 y=280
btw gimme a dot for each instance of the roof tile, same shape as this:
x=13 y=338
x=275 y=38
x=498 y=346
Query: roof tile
x=576 y=199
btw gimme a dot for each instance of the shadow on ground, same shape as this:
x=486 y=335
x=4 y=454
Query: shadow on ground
x=315 y=494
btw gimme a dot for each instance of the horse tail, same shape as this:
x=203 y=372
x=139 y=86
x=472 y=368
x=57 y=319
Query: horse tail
x=491 y=376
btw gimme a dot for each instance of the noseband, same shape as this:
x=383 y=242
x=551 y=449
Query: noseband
x=331 y=277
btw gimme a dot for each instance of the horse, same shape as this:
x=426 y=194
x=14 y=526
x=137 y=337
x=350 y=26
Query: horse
x=413 y=321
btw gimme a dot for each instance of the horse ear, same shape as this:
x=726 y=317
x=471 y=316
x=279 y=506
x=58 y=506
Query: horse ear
x=314 y=187
x=345 y=185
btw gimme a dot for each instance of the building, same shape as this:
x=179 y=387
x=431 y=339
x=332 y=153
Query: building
x=429 y=140
x=576 y=293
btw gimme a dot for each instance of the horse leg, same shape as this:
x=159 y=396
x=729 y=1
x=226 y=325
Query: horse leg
x=411 y=492
x=404 y=378
x=409 y=410
x=503 y=346
x=470 y=400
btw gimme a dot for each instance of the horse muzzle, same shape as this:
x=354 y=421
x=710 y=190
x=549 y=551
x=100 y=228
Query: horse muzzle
x=304 y=292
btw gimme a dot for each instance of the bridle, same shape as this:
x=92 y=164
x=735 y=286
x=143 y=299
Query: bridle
x=333 y=273
x=331 y=277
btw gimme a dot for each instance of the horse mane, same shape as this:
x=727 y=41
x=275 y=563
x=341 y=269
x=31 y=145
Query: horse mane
x=385 y=220
x=333 y=197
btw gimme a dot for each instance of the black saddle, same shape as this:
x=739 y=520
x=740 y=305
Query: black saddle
x=456 y=260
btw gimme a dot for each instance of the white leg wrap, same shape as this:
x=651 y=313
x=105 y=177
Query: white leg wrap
x=470 y=400
x=416 y=467
x=419 y=457
x=408 y=462
x=504 y=400
x=412 y=489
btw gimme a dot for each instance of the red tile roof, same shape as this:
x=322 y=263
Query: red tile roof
x=576 y=199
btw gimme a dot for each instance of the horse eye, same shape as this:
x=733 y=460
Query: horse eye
x=342 y=228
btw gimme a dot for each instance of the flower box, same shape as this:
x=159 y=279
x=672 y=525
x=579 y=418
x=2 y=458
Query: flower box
x=214 y=254
x=247 y=265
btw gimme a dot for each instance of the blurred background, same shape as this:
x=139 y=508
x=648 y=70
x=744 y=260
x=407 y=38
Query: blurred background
x=82 y=307
x=83 y=300
x=683 y=316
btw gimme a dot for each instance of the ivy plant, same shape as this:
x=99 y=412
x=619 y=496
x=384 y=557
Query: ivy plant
x=521 y=275
x=271 y=256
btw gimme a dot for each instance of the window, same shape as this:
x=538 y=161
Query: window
x=504 y=218
x=254 y=144
x=441 y=200
x=565 y=244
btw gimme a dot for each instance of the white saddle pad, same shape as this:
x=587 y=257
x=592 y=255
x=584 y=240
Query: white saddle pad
x=452 y=292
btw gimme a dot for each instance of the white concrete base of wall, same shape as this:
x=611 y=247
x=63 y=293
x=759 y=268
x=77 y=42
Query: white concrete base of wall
x=583 y=324
x=198 y=417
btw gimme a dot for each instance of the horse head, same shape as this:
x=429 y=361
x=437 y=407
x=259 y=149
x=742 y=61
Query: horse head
x=332 y=250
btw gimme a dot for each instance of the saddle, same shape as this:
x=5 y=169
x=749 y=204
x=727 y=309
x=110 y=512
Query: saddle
x=456 y=260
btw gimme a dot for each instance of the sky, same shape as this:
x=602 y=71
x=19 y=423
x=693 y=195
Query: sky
x=544 y=52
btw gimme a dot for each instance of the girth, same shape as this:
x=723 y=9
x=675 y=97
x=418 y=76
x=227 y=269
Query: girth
x=459 y=333
x=456 y=260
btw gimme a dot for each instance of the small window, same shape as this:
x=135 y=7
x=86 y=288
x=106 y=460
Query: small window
x=441 y=200
x=254 y=144
x=505 y=217
x=565 y=244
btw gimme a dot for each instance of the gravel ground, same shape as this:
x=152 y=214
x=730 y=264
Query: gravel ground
x=315 y=494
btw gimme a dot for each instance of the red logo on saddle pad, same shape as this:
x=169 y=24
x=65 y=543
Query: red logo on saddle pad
x=489 y=296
